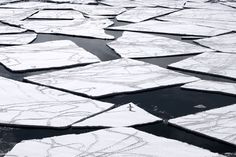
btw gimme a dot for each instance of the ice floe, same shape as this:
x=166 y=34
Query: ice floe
x=23 y=104
x=141 y=45
x=17 y=39
x=149 y=3
x=154 y=26
x=112 y=77
x=142 y=13
x=222 y=19
x=58 y=14
x=220 y=64
x=223 y=43
x=80 y=27
x=108 y=142
x=212 y=86
x=49 y=54
x=5 y=29
x=125 y=115
x=218 y=123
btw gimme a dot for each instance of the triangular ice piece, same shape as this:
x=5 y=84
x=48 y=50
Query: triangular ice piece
x=125 y=115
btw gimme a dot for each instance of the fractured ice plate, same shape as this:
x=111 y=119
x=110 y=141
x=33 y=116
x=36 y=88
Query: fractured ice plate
x=15 y=14
x=218 y=123
x=112 y=77
x=49 y=54
x=142 y=13
x=154 y=26
x=212 y=86
x=221 y=19
x=58 y=14
x=24 y=104
x=78 y=27
x=73 y=1
x=223 y=43
x=150 y=3
x=8 y=1
x=220 y=64
x=208 y=5
x=114 y=142
x=5 y=29
x=205 y=14
x=141 y=45
x=17 y=39
x=125 y=115
x=28 y=5
x=98 y=9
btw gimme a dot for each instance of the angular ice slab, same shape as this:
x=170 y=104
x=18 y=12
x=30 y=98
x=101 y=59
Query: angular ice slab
x=204 y=5
x=221 y=19
x=114 y=142
x=28 y=5
x=74 y=1
x=223 y=43
x=98 y=9
x=220 y=64
x=205 y=14
x=17 y=39
x=142 y=13
x=154 y=26
x=7 y=1
x=84 y=28
x=58 y=14
x=5 y=29
x=25 y=104
x=125 y=115
x=150 y=3
x=7 y=14
x=212 y=86
x=217 y=123
x=112 y=77
x=231 y=4
x=141 y=45
x=49 y=54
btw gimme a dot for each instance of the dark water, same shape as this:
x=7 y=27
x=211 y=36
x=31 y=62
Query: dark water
x=166 y=103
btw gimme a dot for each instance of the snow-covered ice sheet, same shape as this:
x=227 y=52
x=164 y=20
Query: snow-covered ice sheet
x=231 y=4
x=141 y=45
x=17 y=39
x=7 y=14
x=220 y=64
x=112 y=77
x=112 y=142
x=98 y=9
x=24 y=104
x=7 y=1
x=209 y=6
x=223 y=43
x=79 y=27
x=74 y=1
x=49 y=54
x=125 y=115
x=218 y=123
x=154 y=26
x=29 y=5
x=149 y=3
x=5 y=29
x=142 y=13
x=212 y=86
x=221 y=19
x=58 y=14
